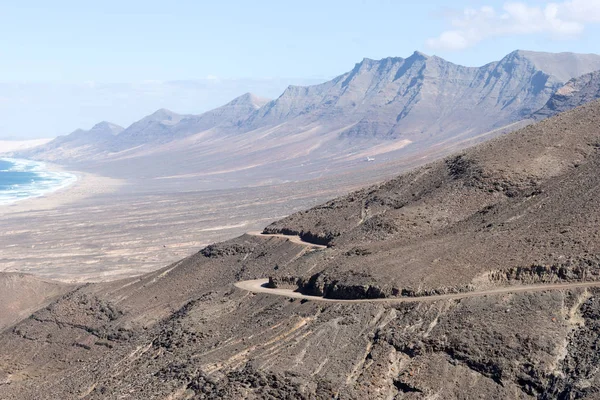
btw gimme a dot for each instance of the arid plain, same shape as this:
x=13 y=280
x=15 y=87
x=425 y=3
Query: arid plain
x=106 y=228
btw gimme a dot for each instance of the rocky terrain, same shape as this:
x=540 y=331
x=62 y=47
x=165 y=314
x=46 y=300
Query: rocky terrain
x=481 y=204
x=576 y=92
x=513 y=211
x=429 y=96
x=390 y=109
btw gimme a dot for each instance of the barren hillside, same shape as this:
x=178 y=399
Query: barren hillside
x=518 y=211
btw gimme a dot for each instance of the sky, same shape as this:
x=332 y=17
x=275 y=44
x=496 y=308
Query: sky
x=69 y=64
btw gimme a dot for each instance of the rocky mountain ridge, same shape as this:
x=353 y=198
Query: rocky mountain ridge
x=393 y=109
x=397 y=97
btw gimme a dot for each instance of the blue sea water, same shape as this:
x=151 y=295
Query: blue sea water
x=24 y=179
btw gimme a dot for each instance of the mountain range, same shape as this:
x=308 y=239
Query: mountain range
x=394 y=108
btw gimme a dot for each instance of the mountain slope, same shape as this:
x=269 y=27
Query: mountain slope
x=229 y=114
x=156 y=127
x=164 y=126
x=576 y=92
x=422 y=96
x=517 y=210
x=501 y=206
x=22 y=294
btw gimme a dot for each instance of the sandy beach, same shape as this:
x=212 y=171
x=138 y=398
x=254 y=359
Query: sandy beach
x=86 y=185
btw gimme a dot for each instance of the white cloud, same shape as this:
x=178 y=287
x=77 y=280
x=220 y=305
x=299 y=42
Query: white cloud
x=471 y=26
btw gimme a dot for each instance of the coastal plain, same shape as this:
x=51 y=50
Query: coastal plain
x=110 y=227
x=104 y=228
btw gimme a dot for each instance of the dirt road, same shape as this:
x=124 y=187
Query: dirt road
x=258 y=286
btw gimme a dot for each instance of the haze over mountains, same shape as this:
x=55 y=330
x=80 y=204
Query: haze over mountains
x=84 y=143
x=389 y=108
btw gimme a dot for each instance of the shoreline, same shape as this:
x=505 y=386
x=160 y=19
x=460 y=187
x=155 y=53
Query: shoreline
x=85 y=185
x=52 y=180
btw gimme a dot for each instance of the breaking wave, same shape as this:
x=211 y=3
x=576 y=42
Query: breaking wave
x=25 y=179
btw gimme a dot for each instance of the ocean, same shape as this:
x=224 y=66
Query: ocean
x=25 y=179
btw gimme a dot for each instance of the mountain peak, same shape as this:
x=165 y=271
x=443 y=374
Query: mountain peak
x=106 y=126
x=415 y=55
x=418 y=54
x=102 y=124
x=249 y=99
x=162 y=114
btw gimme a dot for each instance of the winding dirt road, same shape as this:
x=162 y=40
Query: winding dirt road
x=259 y=285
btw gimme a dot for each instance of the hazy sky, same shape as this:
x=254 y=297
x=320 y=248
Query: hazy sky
x=69 y=64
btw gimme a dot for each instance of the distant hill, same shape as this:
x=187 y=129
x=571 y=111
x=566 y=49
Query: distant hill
x=78 y=144
x=161 y=127
x=389 y=109
x=156 y=127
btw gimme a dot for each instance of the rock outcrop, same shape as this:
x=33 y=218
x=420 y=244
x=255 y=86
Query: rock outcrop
x=576 y=92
